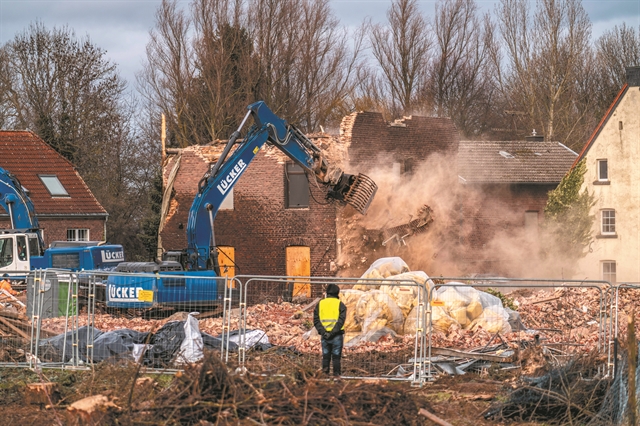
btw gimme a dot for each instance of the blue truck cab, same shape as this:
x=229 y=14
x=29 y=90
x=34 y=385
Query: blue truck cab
x=80 y=255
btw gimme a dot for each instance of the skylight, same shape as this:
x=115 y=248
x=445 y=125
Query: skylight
x=505 y=154
x=54 y=186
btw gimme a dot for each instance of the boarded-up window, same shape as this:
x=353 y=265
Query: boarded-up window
x=298 y=260
x=531 y=221
x=297 y=187
x=226 y=261
x=531 y=227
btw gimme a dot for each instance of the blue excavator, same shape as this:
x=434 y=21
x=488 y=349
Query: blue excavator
x=187 y=277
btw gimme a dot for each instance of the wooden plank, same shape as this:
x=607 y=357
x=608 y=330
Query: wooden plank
x=437 y=420
x=15 y=315
x=14 y=328
x=473 y=355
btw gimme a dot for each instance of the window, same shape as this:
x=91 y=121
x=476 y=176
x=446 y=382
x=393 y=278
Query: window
x=77 y=235
x=609 y=271
x=22 y=247
x=297 y=187
x=531 y=222
x=54 y=186
x=6 y=252
x=608 y=222
x=603 y=170
x=227 y=203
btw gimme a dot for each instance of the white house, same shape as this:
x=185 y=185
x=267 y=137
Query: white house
x=612 y=157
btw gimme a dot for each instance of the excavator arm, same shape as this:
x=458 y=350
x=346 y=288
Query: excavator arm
x=357 y=191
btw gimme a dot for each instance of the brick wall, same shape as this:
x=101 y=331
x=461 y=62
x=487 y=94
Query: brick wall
x=56 y=229
x=371 y=138
x=259 y=227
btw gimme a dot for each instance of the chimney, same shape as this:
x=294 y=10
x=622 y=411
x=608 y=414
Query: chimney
x=534 y=137
x=633 y=76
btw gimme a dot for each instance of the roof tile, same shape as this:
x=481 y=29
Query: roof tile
x=513 y=161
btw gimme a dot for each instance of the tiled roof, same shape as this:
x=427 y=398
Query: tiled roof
x=25 y=155
x=513 y=161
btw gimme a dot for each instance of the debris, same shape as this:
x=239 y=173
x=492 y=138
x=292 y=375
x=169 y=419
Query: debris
x=570 y=394
x=92 y=409
x=503 y=356
x=42 y=393
x=434 y=418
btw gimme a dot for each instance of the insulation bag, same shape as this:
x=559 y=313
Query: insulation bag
x=375 y=310
x=350 y=299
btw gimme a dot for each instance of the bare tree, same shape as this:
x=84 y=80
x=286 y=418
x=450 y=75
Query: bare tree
x=402 y=51
x=617 y=49
x=64 y=89
x=543 y=59
x=203 y=69
x=165 y=81
x=459 y=84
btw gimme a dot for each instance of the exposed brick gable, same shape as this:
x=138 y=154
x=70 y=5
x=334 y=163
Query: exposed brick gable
x=370 y=137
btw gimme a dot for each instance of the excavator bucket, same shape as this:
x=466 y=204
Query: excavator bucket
x=361 y=192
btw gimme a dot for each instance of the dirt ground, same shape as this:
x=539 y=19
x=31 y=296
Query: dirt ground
x=459 y=400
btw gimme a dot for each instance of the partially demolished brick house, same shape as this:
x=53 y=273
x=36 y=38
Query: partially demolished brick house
x=271 y=226
x=268 y=225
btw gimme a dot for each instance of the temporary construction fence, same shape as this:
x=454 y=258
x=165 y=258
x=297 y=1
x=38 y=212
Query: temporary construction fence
x=378 y=310
x=564 y=318
x=410 y=320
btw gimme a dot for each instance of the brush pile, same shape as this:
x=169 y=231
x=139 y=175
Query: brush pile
x=570 y=394
x=207 y=391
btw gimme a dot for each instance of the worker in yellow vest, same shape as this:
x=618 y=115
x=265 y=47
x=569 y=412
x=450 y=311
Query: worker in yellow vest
x=328 y=319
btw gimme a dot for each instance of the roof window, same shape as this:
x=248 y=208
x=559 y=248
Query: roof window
x=505 y=154
x=54 y=186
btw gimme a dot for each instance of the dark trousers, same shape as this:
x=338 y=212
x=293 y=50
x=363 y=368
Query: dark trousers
x=332 y=350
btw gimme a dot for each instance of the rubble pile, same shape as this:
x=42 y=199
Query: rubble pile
x=382 y=316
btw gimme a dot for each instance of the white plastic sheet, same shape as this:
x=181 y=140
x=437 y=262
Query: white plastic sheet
x=191 y=347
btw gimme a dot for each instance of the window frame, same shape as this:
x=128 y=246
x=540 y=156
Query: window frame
x=50 y=189
x=76 y=233
x=296 y=175
x=612 y=222
x=599 y=164
x=606 y=275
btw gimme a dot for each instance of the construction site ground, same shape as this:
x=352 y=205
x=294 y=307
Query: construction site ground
x=285 y=386
x=304 y=394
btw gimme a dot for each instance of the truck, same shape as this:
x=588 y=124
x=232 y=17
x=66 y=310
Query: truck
x=187 y=277
x=22 y=247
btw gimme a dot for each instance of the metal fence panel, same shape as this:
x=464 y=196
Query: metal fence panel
x=400 y=357
x=565 y=317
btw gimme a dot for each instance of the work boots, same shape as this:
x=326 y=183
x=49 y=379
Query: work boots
x=337 y=370
x=325 y=365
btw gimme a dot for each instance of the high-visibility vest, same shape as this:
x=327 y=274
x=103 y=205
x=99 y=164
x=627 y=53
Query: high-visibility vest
x=329 y=312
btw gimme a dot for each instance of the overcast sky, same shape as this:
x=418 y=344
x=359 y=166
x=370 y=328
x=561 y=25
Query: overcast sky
x=122 y=27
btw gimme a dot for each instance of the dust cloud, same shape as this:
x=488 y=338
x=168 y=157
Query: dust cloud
x=475 y=229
